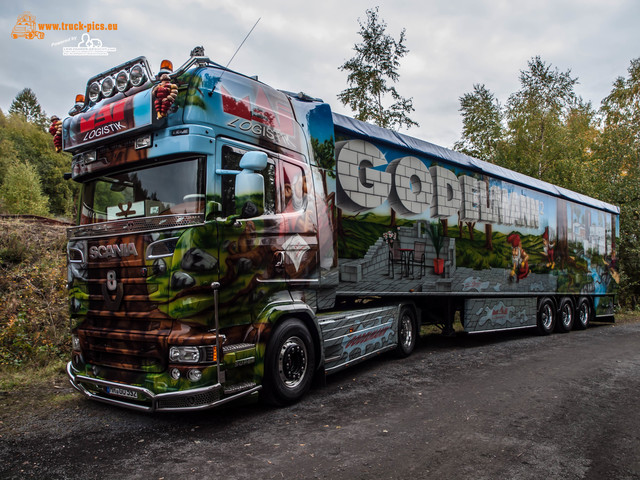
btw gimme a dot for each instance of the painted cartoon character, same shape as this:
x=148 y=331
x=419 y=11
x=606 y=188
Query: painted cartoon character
x=549 y=249
x=612 y=265
x=520 y=268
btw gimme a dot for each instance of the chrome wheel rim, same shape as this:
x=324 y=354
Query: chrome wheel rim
x=583 y=314
x=546 y=316
x=566 y=315
x=292 y=362
x=406 y=332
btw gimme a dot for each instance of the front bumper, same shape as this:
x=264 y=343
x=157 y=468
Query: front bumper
x=147 y=401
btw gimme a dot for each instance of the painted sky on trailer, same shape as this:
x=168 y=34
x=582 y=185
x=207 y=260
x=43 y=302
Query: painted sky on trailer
x=298 y=46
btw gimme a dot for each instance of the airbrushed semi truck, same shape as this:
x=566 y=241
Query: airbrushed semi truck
x=237 y=241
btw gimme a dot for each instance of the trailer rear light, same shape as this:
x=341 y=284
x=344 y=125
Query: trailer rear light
x=122 y=81
x=94 y=92
x=108 y=86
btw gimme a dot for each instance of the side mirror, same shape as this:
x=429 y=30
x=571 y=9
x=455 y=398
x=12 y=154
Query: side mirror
x=250 y=185
x=256 y=161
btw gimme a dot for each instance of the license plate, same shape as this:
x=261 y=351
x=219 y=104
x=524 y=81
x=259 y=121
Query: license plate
x=122 y=392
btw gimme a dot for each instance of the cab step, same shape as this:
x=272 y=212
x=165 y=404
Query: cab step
x=239 y=387
x=239 y=354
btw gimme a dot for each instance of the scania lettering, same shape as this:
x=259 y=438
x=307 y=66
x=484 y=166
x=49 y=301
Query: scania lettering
x=237 y=241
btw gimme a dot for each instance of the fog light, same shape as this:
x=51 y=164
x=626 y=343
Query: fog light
x=108 y=87
x=122 y=81
x=175 y=373
x=137 y=76
x=194 y=375
x=94 y=92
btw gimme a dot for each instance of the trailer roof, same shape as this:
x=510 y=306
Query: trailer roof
x=367 y=130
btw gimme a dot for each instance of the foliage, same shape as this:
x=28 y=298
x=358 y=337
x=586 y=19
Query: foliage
x=33 y=304
x=481 y=124
x=435 y=233
x=26 y=105
x=23 y=141
x=548 y=132
x=21 y=191
x=545 y=130
x=616 y=173
x=376 y=62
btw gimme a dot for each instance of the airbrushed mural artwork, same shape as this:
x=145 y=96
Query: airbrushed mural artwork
x=235 y=239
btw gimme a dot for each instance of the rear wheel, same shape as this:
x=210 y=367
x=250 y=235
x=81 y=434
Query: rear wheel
x=289 y=363
x=407 y=332
x=546 y=316
x=583 y=314
x=566 y=316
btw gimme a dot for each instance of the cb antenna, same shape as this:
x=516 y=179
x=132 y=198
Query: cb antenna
x=234 y=55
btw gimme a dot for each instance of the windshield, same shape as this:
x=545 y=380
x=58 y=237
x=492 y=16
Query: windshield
x=169 y=189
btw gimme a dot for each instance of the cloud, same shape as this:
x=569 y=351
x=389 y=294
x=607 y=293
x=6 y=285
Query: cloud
x=299 y=46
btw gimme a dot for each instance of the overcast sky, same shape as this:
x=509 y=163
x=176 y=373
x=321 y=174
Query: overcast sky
x=299 y=45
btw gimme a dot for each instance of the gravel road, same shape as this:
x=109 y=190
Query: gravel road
x=509 y=405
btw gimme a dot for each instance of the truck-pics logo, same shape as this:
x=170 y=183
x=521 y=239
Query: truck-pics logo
x=26 y=27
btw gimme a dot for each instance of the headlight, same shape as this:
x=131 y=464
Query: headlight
x=75 y=342
x=137 y=76
x=94 y=92
x=108 y=86
x=122 y=81
x=184 y=354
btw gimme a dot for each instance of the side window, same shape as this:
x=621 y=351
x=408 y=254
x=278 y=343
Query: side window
x=293 y=185
x=231 y=161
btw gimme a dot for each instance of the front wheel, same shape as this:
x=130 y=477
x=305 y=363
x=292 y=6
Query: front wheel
x=407 y=332
x=546 y=316
x=289 y=363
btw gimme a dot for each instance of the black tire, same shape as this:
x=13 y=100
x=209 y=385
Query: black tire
x=584 y=314
x=407 y=332
x=566 y=316
x=289 y=364
x=546 y=316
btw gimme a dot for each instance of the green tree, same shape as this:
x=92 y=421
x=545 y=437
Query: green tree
x=28 y=143
x=481 y=124
x=21 y=191
x=26 y=105
x=536 y=117
x=617 y=172
x=376 y=62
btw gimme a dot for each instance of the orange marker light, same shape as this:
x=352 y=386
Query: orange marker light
x=166 y=65
x=79 y=98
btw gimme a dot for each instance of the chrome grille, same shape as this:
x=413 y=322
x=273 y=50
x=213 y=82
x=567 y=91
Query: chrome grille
x=120 y=227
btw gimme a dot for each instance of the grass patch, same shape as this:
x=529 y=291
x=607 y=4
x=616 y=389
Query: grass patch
x=34 y=326
x=15 y=378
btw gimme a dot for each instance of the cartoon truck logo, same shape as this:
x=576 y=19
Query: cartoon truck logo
x=26 y=27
